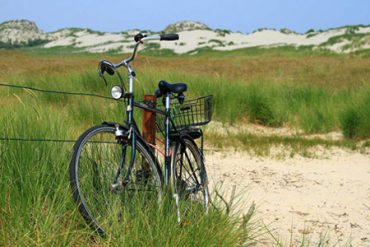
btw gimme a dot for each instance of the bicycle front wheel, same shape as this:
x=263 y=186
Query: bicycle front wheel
x=190 y=183
x=98 y=167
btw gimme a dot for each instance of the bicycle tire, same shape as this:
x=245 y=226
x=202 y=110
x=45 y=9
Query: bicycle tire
x=191 y=185
x=93 y=168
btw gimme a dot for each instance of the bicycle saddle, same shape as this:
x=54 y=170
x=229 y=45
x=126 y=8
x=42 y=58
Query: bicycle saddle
x=165 y=87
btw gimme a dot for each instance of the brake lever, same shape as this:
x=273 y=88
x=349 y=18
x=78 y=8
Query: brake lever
x=105 y=66
x=105 y=81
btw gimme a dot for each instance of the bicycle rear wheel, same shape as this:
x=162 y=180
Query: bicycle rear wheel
x=98 y=164
x=190 y=183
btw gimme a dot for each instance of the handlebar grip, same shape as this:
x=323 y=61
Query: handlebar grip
x=139 y=36
x=106 y=66
x=109 y=70
x=169 y=37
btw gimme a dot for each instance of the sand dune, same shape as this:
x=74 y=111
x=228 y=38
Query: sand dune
x=312 y=197
x=193 y=36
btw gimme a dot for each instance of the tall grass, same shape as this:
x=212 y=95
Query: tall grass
x=355 y=119
x=37 y=207
x=274 y=99
x=316 y=94
x=312 y=108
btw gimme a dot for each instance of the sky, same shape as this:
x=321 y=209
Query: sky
x=236 y=15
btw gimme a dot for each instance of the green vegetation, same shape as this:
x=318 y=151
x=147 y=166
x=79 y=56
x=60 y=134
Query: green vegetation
x=312 y=108
x=31 y=43
x=286 y=31
x=316 y=92
x=354 y=39
x=355 y=121
x=325 y=93
x=37 y=207
x=311 y=30
x=261 y=51
x=222 y=32
x=292 y=145
x=216 y=41
x=153 y=49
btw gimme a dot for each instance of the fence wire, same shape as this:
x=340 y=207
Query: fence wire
x=4 y=139
x=56 y=91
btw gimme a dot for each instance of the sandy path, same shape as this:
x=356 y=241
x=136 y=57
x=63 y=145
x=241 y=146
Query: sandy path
x=328 y=195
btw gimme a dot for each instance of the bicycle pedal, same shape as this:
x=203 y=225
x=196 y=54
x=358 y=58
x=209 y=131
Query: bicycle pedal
x=142 y=176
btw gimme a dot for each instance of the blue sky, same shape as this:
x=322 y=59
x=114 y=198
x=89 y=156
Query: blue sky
x=237 y=15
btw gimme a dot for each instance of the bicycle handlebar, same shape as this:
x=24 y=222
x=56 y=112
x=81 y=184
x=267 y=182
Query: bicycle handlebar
x=140 y=39
x=106 y=66
x=169 y=37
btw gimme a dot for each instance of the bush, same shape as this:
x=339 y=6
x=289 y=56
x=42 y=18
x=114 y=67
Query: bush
x=350 y=123
x=310 y=31
x=355 y=121
x=259 y=111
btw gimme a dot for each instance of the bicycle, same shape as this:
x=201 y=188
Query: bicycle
x=103 y=176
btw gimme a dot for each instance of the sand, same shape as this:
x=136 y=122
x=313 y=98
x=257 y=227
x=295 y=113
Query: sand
x=312 y=197
x=192 y=40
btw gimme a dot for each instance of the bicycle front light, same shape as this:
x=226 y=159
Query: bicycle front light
x=117 y=92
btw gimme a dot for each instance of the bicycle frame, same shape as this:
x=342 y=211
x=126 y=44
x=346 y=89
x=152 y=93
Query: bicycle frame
x=133 y=130
x=166 y=113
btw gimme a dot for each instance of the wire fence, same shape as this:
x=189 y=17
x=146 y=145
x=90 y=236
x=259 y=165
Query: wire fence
x=4 y=139
x=56 y=92
x=23 y=139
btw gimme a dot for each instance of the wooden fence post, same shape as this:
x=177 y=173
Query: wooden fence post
x=149 y=128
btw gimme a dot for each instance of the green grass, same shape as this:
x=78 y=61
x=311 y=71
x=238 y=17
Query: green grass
x=260 y=51
x=328 y=93
x=350 y=36
x=37 y=207
x=312 y=108
x=289 y=145
x=355 y=120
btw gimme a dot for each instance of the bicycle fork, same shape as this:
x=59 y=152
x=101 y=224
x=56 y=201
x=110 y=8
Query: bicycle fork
x=124 y=138
x=130 y=135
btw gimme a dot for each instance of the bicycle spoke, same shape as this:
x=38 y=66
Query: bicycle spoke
x=190 y=175
x=191 y=167
x=100 y=165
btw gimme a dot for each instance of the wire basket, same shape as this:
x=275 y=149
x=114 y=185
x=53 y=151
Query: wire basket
x=194 y=112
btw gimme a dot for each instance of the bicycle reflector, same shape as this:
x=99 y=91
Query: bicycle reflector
x=117 y=92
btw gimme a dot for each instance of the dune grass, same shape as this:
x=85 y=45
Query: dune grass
x=285 y=145
x=37 y=207
x=313 y=92
x=308 y=91
x=355 y=118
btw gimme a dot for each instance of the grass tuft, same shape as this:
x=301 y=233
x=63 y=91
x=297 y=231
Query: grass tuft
x=355 y=121
x=259 y=110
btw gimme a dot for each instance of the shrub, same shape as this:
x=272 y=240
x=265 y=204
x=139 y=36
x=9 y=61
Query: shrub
x=355 y=121
x=310 y=31
x=260 y=110
x=350 y=123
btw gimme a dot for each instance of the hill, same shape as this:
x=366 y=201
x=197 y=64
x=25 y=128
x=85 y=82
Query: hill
x=194 y=36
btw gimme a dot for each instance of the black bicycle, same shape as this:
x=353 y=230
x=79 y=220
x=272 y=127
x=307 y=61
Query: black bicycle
x=111 y=163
